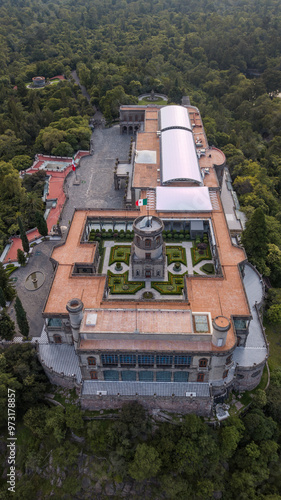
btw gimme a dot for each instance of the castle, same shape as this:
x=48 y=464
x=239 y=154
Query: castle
x=166 y=311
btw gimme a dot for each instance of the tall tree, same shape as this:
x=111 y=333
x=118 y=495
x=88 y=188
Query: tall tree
x=23 y=236
x=255 y=240
x=21 y=318
x=7 y=326
x=21 y=257
x=5 y=284
x=2 y=298
x=41 y=224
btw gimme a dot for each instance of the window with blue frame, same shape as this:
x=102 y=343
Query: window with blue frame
x=110 y=375
x=109 y=359
x=128 y=376
x=146 y=376
x=163 y=376
x=181 y=376
x=163 y=360
x=128 y=359
x=182 y=360
x=146 y=360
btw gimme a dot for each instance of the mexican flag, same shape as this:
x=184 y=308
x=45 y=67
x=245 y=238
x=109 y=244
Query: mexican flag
x=73 y=164
x=141 y=202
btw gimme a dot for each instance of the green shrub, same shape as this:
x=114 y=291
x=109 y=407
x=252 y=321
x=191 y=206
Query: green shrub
x=122 y=235
x=181 y=236
x=208 y=268
x=170 y=236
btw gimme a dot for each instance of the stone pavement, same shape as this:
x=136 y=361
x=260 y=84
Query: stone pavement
x=33 y=301
x=96 y=188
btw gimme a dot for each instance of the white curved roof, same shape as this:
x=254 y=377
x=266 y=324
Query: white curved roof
x=174 y=116
x=183 y=199
x=178 y=156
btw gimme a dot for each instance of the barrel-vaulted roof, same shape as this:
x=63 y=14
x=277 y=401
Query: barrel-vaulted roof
x=179 y=159
x=174 y=116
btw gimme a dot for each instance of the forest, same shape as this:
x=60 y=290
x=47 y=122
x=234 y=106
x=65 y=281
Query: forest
x=226 y=56
x=63 y=452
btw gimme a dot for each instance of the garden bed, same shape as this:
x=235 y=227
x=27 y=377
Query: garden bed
x=120 y=253
x=118 y=283
x=176 y=254
x=198 y=257
x=173 y=286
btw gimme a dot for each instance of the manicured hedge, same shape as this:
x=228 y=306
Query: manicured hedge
x=116 y=282
x=173 y=286
x=172 y=250
x=115 y=257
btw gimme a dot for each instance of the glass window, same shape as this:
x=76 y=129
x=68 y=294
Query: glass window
x=127 y=359
x=148 y=256
x=228 y=360
x=163 y=376
x=164 y=360
x=109 y=359
x=111 y=375
x=181 y=376
x=128 y=375
x=57 y=339
x=225 y=373
x=200 y=377
x=146 y=360
x=201 y=323
x=147 y=243
x=203 y=362
x=94 y=375
x=146 y=376
x=240 y=324
x=182 y=360
x=91 y=361
x=55 y=322
x=255 y=374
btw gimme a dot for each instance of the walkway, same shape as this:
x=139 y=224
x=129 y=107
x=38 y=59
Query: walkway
x=255 y=350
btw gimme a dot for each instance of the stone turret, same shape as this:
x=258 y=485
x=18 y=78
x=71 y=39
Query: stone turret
x=148 y=249
x=221 y=325
x=75 y=310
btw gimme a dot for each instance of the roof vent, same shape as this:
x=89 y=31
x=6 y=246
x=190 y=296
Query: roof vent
x=190 y=394
x=101 y=393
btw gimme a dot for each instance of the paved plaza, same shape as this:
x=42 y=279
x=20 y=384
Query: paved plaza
x=96 y=188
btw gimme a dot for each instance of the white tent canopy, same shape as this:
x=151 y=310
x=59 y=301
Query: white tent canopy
x=183 y=199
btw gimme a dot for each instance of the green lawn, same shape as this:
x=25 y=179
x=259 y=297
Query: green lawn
x=273 y=333
x=173 y=286
x=120 y=253
x=144 y=102
x=176 y=254
x=118 y=283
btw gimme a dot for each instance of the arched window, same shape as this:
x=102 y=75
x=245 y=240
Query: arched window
x=91 y=361
x=203 y=362
x=138 y=240
x=200 y=377
x=94 y=375
x=57 y=339
x=147 y=243
x=228 y=360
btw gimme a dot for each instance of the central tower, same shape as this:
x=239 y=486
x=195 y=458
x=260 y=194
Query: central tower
x=148 y=249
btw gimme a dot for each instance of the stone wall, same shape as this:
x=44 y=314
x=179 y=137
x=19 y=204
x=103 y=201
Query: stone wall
x=248 y=378
x=200 y=406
